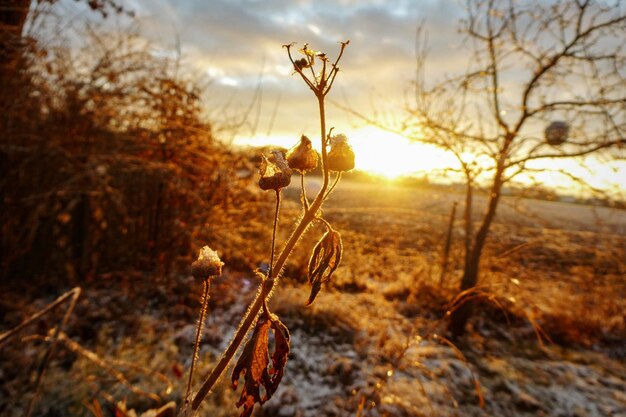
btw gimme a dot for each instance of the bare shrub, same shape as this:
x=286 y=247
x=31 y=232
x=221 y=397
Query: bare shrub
x=107 y=161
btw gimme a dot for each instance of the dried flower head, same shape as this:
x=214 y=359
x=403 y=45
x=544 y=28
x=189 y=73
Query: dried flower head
x=275 y=172
x=302 y=157
x=341 y=155
x=310 y=55
x=207 y=265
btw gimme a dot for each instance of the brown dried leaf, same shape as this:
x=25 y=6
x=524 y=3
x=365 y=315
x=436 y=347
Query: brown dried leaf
x=324 y=261
x=279 y=357
x=254 y=362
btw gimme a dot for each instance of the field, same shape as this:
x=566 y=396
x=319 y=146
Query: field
x=147 y=257
x=548 y=337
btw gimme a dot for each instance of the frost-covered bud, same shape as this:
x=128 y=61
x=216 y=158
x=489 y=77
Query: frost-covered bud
x=302 y=157
x=275 y=173
x=207 y=265
x=341 y=155
x=557 y=132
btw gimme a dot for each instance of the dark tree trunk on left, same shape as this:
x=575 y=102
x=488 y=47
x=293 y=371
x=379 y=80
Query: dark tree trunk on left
x=12 y=18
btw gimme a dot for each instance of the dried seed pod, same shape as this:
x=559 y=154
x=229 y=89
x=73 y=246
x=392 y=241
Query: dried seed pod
x=275 y=174
x=341 y=155
x=207 y=265
x=302 y=157
x=301 y=63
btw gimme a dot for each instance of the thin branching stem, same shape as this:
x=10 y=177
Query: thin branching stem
x=299 y=70
x=333 y=73
x=196 y=348
x=328 y=226
x=75 y=293
x=256 y=305
x=330 y=132
x=332 y=187
x=105 y=364
x=266 y=290
x=8 y=335
x=305 y=199
x=266 y=308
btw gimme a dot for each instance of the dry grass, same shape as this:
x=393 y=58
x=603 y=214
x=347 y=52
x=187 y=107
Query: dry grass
x=368 y=339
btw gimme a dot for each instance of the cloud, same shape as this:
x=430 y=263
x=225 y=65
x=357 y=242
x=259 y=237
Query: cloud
x=238 y=44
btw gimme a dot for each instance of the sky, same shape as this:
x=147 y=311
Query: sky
x=236 y=46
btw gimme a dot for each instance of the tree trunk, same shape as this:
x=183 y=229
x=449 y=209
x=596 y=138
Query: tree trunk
x=469 y=227
x=461 y=315
x=446 y=249
x=12 y=17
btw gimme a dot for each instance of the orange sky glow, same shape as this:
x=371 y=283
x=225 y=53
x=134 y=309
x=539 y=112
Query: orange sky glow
x=237 y=47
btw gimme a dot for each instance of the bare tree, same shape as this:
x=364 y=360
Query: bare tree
x=546 y=79
x=13 y=14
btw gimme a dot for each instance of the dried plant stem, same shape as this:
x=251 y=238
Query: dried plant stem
x=8 y=335
x=97 y=360
x=266 y=309
x=196 y=348
x=268 y=284
x=518 y=248
x=305 y=200
x=332 y=187
x=75 y=293
x=321 y=219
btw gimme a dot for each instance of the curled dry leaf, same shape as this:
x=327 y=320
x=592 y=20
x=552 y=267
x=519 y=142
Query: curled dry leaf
x=324 y=261
x=255 y=363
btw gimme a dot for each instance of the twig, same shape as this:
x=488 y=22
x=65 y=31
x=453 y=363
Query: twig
x=73 y=295
x=517 y=248
x=97 y=360
x=8 y=335
x=332 y=187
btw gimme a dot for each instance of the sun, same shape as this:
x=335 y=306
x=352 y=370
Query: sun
x=379 y=152
x=388 y=154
